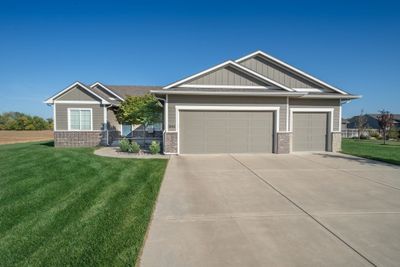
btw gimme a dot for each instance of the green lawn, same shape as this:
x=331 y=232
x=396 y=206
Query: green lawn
x=373 y=149
x=63 y=206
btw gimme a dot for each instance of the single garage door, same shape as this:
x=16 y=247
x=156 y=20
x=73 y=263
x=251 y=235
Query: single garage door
x=310 y=131
x=202 y=132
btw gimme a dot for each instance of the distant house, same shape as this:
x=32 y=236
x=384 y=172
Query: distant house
x=372 y=121
x=345 y=123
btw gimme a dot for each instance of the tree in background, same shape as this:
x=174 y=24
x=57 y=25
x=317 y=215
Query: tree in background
x=143 y=110
x=21 y=121
x=385 y=120
x=361 y=123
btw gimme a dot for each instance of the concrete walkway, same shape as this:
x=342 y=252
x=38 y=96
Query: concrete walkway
x=276 y=210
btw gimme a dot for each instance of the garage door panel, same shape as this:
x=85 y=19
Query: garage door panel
x=226 y=131
x=310 y=131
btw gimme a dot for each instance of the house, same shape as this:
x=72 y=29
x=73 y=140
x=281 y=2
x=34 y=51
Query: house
x=372 y=121
x=255 y=104
x=345 y=123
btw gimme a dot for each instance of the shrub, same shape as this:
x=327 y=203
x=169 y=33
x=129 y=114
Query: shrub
x=154 y=147
x=124 y=145
x=374 y=134
x=134 y=148
x=363 y=136
x=393 y=133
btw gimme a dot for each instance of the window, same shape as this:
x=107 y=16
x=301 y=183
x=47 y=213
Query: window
x=126 y=129
x=157 y=126
x=80 y=119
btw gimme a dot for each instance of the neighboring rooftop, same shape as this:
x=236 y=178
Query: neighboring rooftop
x=372 y=120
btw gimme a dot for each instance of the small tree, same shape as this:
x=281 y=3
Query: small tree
x=361 y=123
x=385 y=120
x=143 y=110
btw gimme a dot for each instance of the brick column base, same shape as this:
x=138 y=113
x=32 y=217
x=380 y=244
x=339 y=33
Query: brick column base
x=283 y=143
x=171 y=142
x=336 y=142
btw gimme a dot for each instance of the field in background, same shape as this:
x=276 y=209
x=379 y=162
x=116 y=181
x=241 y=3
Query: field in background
x=10 y=137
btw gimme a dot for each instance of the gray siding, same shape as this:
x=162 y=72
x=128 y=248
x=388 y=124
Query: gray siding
x=77 y=94
x=113 y=123
x=227 y=76
x=174 y=100
x=280 y=74
x=319 y=103
x=62 y=115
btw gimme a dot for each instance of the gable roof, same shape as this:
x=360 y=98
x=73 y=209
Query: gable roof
x=234 y=65
x=85 y=87
x=372 y=120
x=129 y=90
x=107 y=89
x=295 y=70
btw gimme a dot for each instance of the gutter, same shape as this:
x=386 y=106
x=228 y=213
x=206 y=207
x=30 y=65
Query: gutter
x=166 y=92
x=272 y=94
x=332 y=96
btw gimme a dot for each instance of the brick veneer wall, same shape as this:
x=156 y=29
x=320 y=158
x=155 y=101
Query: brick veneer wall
x=336 y=142
x=171 y=142
x=78 y=139
x=283 y=143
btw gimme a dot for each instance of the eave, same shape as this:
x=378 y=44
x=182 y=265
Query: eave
x=272 y=94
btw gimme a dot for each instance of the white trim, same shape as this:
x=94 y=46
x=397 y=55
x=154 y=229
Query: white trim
x=107 y=89
x=234 y=64
x=125 y=124
x=262 y=77
x=105 y=117
x=75 y=102
x=51 y=99
x=287 y=114
x=340 y=116
x=223 y=108
x=224 y=86
x=333 y=96
x=317 y=90
x=80 y=124
x=297 y=110
x=291 y=68
x=54 y=117
x=166 y=113
x=105 y=127
x=197 y=75
x=283 y=93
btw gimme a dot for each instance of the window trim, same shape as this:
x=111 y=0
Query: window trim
x=80 y=119
x=121 y=125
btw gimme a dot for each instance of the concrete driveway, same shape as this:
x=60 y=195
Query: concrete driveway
x=276 y=210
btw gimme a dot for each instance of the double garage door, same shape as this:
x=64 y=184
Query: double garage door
x=203 y=132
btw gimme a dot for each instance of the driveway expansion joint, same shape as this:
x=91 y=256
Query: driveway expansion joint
x=303 y=210
x=353 y=174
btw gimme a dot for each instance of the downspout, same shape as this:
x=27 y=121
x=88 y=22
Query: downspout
x=106 y=123
x=163 y=134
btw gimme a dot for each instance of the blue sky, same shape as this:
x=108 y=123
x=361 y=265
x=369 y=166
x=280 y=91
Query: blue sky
x=47 y=45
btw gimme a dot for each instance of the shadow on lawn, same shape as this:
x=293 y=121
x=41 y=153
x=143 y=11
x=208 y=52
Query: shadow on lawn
x=363 y=159
x=49 y=144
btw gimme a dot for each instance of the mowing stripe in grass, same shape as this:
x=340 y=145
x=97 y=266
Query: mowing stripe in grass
x=69 y=207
